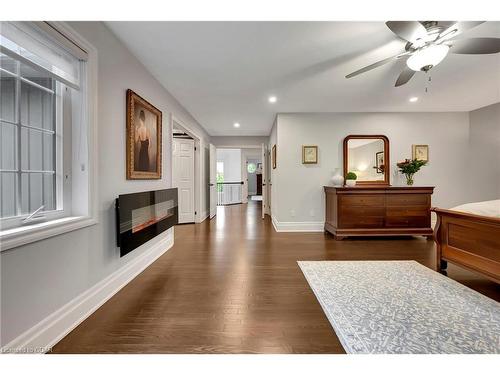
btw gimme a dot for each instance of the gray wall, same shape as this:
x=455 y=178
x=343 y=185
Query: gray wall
x=484 y=169
x=298 y=189
x=41 y=277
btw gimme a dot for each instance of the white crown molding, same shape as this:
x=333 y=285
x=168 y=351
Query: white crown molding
x=48 y=332
x=297 y=226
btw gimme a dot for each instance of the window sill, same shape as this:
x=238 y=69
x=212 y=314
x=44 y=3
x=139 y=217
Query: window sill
x=20 y=236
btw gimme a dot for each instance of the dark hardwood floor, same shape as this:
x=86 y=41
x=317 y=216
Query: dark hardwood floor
x=232 y=285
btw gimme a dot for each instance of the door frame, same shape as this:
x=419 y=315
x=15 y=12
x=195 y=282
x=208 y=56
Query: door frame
x=264 y=179
x=212 y=176
x=200 y=214
x=244 y=175
x=244 y=171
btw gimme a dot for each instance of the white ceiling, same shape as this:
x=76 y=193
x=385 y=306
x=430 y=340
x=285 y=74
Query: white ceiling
x=223 y=72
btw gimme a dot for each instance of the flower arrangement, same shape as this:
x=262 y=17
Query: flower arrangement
x=409 y=167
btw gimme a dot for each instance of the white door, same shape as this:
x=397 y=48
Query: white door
x=264 y=180
x=213 y=181
x=183 y=177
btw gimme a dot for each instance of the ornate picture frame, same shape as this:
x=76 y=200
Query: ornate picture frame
x=420 y=152
x=144 y=139
x=309 y=154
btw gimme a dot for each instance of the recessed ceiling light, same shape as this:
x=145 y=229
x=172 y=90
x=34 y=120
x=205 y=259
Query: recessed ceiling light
x=236 y=124
x=413 y=99
x=272 y=99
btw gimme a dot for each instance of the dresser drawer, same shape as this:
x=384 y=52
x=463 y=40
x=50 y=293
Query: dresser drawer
x=361 y=222
x=362 y=200
x=407 y=222
x=361 y=211
x=414 y=210
x=407 y=199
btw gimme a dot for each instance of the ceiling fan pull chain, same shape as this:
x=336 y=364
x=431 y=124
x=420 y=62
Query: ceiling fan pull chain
x=429 y=81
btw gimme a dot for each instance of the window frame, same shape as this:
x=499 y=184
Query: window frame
x=82 y=214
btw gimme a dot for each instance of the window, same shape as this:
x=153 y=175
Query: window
x=220 y=175
x=251 y=167
x=29 y=136
x=43 y=128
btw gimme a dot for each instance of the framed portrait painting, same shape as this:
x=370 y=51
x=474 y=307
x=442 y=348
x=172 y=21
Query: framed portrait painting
x=420 y=152
x=144 y=148
x=309 y=154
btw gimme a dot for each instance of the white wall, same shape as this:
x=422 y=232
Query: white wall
x=484 y=169
x=232 y=163
x=39 y=278
x=237 y=142
x=298 y=189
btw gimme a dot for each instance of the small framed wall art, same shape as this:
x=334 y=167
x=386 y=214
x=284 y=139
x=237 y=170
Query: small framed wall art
x=309 y=154
x=420 y=152
x=273 y=157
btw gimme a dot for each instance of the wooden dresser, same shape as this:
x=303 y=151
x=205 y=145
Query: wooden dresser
x=378 y=211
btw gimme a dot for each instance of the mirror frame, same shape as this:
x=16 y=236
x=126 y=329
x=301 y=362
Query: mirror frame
x=386 y=180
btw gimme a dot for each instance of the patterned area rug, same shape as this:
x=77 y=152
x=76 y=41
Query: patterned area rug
x=402 y=307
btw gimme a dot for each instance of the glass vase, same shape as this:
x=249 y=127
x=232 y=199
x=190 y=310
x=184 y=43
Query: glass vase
x=409 y=179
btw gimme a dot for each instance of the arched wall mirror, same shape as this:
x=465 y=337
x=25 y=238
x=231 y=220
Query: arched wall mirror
x=368 y=157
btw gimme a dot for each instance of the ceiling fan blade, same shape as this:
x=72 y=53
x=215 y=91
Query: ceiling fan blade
x=407 y=30
x=457 y=28
x=404 y=77
x=476 y=46
x=375 y=65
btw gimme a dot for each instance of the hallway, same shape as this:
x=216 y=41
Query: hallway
x=232 y=285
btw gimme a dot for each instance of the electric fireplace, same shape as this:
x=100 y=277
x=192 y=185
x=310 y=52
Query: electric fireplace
x=142 y=216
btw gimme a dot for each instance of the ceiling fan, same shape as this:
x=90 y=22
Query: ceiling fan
x=428 y=43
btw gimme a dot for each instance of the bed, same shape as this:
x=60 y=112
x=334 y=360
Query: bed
x=469 y=236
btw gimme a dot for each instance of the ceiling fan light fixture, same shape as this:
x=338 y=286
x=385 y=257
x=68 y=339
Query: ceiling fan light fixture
x=427 y=57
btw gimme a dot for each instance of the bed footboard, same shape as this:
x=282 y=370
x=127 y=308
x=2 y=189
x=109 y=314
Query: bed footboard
x=468 y=240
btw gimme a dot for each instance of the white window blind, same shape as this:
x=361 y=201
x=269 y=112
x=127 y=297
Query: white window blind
x=51 y=53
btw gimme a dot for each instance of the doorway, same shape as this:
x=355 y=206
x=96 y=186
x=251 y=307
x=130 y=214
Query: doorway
x=254 y=178
x=187 y=173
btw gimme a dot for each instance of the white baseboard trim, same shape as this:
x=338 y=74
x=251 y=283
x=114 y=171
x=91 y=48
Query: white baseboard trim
x=203 y=216
x=298 y=226
x=45 y=334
